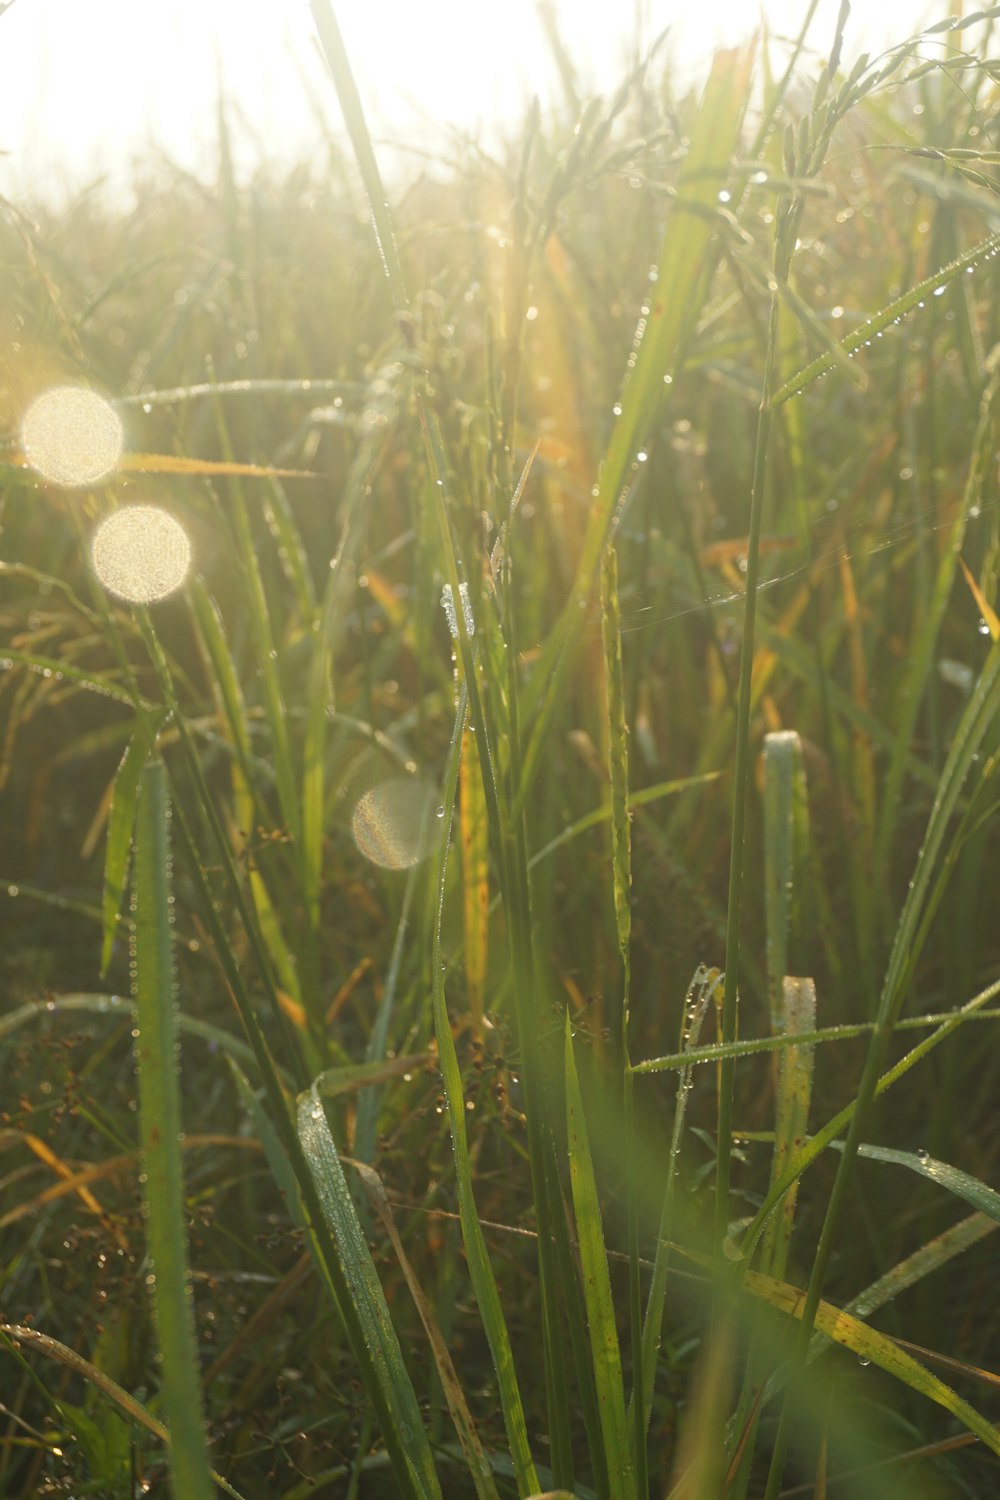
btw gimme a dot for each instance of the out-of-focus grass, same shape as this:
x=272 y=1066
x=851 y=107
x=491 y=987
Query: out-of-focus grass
x=583 y=297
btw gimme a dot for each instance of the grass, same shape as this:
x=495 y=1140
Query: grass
x=464 y=1185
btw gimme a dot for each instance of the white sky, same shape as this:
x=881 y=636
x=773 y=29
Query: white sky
x=89 y=83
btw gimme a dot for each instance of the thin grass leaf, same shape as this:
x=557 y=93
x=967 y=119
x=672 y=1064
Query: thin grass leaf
x=465 y=1428
x=786 y=862
x=406 y=1433
x=920 y=661
x=891 y=313
x=681 y=287
x=474 y=833
x=480 y=1269
x=795 y=1070
x=866 y=1343
x=161 y=1125
x=985 y=1200
x=131 y=1409
x=121 y=817
x=597 y=1288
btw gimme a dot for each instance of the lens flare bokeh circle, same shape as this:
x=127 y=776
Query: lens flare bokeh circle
x=141 y=554
x=72 y=436
x=393 y=823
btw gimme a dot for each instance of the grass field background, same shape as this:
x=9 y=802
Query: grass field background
x=584 y=996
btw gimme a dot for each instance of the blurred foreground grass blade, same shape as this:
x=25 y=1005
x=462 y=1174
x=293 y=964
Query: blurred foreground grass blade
x=465 y=1427
x=877 y=1347
x=405 y=1438
x=130 y=1408
x=160 y=1123
x=480 y=1270
x=683 y=277
x=597 y=1288
x=121 y=818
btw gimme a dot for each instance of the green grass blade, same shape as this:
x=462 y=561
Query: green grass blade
x=160 y=1125
x=866 y=1343
x=465 y=1428
x=480 y=1270
x=406 y=1435
x=786 y=870
x=795 y=1072
x=597 y=1289
x=886 y=316
x=680 y=288
x=985 y=1200
x=920 y=660
x=121 y=817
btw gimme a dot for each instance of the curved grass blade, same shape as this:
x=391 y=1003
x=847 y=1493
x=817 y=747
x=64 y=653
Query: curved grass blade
x=465 y=1428
x=891 y=313
x=130 y=1408
x=160 y=1124
x=605 y=1352
x=406 y=1434
x=868 y=1344
x=978 y=1195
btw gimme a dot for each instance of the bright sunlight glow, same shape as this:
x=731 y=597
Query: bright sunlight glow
x=72 y=436
x=141 y=554
x=98 y=85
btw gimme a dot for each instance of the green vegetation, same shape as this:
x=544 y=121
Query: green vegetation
x=584 y=991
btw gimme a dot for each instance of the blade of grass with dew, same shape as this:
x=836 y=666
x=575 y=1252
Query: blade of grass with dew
x=985 y=1200
x=680 y=288
x=822 y=1138
x=597 y=1288
x=886 y=316
x=465 y=1428
x=131 y=1410
x=160 y=1125
x=227 y=693
x=699 y=996
x=621 y=867
x=480 y=1269
x=406 y=1436
x=121 y=818
x=866 y=1343
x=474 y=834
x=920 y=659
x=265 y=653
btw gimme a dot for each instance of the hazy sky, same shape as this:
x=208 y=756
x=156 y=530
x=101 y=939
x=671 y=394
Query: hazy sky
x=88 y=83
